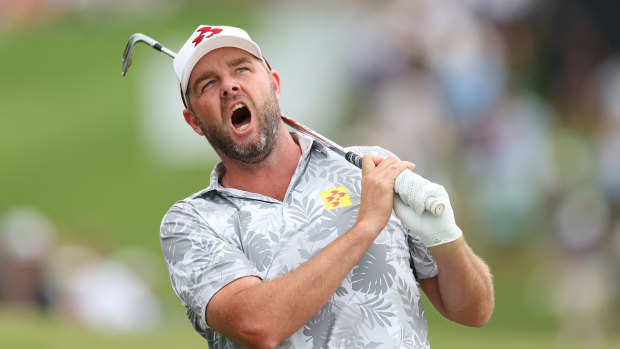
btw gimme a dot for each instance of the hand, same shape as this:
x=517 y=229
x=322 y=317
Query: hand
x=378 y=177
x=434 y=230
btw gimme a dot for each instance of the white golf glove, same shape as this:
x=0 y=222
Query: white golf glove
x=433 y=230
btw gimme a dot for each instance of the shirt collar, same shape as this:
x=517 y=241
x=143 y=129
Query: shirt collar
x=306 y=143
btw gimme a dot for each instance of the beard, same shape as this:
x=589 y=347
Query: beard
x=267 y=120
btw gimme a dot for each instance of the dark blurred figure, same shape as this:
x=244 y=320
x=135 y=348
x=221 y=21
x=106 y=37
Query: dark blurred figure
x=26 y=238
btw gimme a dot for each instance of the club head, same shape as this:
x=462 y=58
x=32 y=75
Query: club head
x=129 y=51
x=133 y=40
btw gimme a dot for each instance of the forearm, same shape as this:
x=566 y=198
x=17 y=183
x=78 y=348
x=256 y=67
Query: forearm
x=464 y=283
x=268 y=312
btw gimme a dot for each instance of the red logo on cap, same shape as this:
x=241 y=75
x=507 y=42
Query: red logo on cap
x=203 y=31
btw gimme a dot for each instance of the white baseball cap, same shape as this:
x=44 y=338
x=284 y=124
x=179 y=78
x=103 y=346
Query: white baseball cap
x=206 y=39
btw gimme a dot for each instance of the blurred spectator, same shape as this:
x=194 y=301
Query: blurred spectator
x=26 y=240
x=20 y=13
x=406 y=116
x=607 y=133
x=510 y=170
x=582 y=281
x=464 y=54
x=101 y=293
x=104 y=294
x=614 y=319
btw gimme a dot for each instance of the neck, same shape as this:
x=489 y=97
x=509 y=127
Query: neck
x=272 y=176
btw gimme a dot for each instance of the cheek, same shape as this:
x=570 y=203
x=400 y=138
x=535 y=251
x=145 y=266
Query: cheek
x=208 y=108
x=264 y=92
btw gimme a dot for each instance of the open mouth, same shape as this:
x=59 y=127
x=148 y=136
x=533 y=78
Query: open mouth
x=240 y=117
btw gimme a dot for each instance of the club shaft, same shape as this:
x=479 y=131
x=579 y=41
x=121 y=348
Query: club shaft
x=433 y=205
x=351 y=157
x=305 y=129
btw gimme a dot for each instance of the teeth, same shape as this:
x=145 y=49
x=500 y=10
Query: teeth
x=242 y=127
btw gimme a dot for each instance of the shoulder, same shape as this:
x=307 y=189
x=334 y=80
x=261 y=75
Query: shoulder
x=202 y=209
x=375 y=150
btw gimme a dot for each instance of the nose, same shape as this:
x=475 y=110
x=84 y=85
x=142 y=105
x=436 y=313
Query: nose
x=229 y=87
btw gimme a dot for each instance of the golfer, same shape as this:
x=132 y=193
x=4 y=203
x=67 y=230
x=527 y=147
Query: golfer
x=291 y=246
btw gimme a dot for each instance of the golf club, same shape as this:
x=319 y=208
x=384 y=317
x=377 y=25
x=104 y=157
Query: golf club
x=135 y=38
x=405 y=184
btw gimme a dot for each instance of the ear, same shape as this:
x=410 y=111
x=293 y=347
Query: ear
x=191 y=120
x=275 y=81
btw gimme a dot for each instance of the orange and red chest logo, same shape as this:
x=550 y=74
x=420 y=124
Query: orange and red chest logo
x=336 y=198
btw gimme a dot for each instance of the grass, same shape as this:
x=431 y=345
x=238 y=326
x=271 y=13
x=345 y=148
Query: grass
x=516 y=323
x=22 y=329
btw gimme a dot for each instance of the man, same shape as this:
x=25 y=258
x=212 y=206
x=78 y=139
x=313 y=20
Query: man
x=292 y=246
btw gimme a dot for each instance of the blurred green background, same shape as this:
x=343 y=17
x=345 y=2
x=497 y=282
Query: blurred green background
x=73 y=149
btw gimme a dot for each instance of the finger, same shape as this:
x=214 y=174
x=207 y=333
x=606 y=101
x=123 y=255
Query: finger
x=376 y=158
x=369 y=162
x=394 y=168
x=406 y=165
x=387 y=163
x=410 y=165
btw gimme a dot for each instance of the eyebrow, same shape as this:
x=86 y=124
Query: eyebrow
x=208 y=74
x=238 y=61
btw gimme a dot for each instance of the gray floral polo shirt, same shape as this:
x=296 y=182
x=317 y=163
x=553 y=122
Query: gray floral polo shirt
x=220 y=234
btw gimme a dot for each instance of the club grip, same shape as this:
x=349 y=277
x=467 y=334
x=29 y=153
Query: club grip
x=408 y=184
x=434 y=206
x=354 y=159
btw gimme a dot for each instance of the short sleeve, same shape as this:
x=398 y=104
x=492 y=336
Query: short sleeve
x=422 y=262
x=200 y=262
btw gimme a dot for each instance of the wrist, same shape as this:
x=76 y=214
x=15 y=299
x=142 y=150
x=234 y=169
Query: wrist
x=448 y=249
x=368 y=228
x=442 y=237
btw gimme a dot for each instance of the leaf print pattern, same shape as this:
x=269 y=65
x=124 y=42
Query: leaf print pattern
x=376 y=311
x=414 y=311
x=341 y=291
x=259 y=250
x=354 y=341
x=337 y=220
x=304 y=211
x=373 y=273
x=320 y=326
x=219 y=235
x=406 y=338
x=305 y=214
x=241 y=222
